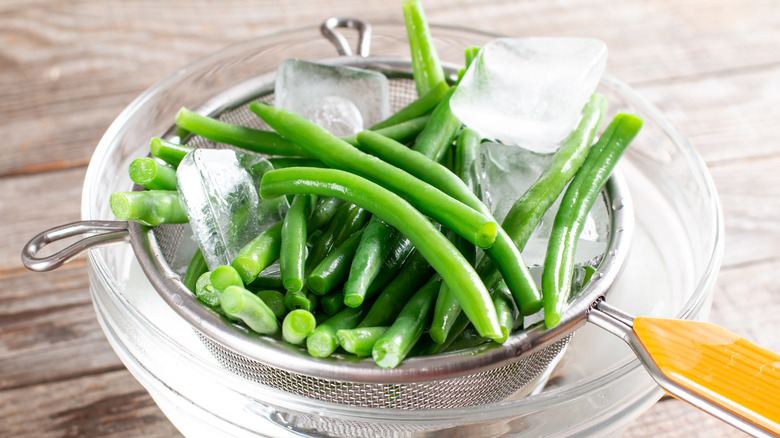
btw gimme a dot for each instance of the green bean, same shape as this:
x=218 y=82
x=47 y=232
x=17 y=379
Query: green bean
x=398 y=340
x=400 y=249
x=282 y=162
x=340 y=229
x=152 y=175
x=150 y=207
x=451 y=213
x=195 y=269
x=322 y=342
x=440 y=131
x=246 y=306
x=466 y=151
x=402 y=132
x=575 y=205
x=171 y=153
x=225 y=276
x=447 y=308
x=368 y=260
x=426 y=67
x=292 y=253
x=459 y=325
x=302 y=299
x=360 y=341
x=503 y=253
x=440 y=252
x=205 y=291
x=267 y=281
x=334 y=269
x=415 y=272
x=470 y=54
x=323 y=213
x=417 y=108
x=255 y=140
x=468 y=338
x=297 y=326
x=274 y=300
x=333 y=301
x=259 y=253
x=522 y=218
x=507 y=311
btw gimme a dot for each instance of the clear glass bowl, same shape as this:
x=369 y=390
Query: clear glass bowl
x=597 y=389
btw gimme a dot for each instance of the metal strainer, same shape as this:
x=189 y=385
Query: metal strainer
x=477 y=376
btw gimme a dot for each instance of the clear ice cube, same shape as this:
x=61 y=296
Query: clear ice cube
x=504 y=173
x=529 y=91
x=218 y=189
x=343 y=100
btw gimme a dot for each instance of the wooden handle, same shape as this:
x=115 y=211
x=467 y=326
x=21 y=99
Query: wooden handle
x=718 y=365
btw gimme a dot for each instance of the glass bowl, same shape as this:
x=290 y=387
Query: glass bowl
x=598 y=387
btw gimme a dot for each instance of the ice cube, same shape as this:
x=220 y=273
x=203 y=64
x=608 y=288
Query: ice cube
x=504 y=173
x=218 y=189
x=343 y=100
x=529 y=91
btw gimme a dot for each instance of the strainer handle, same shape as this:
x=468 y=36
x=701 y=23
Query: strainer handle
x=329 y=31
x=101 y=233
x=705 y=365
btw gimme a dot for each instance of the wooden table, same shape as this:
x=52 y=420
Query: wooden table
x=67 y=68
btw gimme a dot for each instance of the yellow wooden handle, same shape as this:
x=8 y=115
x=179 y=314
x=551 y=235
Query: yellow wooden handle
x=718 y=365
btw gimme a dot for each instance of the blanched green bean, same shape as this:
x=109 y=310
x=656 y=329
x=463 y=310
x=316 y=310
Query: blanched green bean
x=369 y=258
x=417 y=108
x=150 y=207
x=246 y=306
x=259 y=253
x=297 y=326
x=292 y=253
x=195 y=269
x=360 y=341
x=453 y=214
x=170 y=152
x=333 y=270
x=152 y=175
x=426 y=67
x=440 y=253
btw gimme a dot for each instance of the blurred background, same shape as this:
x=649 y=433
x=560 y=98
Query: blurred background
x=68 y=68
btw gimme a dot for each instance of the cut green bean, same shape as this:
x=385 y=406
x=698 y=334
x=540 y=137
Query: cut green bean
x=333 y=301
x=360 y=341
x=440 y=252
x=368 y=260
x=302 y=299
x=575 y=205
x=322 y=342
x=447 y=308
x=345 y=224
x=417 y=108
x=466 y=151
x=414 y=274
x=152 y=175
x=333 y=270
x=249 y=308
x=398 y=340
x=426 y=67
x=470 y=54
x=170 y=152
x=440 y=131
x=205 y=291
x=292 y=253
x=150 y=207
x=259 y=253
x=503 y=252
x=224 y=276
x=255 y=140
x=195 y=269
x=297 y=326
x=274 y=300
x=453 y=214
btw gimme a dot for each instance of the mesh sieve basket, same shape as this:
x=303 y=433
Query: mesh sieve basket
x=481 y=375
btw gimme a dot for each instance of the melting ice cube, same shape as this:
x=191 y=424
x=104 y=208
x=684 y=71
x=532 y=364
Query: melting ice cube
x=505 y=172
x=343 y=100
x=529 y=91
x=219 y=191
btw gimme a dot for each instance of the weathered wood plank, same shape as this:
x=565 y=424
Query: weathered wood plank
x=49 y=328
x=70 y=67
x=34 y=203
x=111 y=404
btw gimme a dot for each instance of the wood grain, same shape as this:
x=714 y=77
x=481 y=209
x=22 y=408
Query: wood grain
x=68 y=67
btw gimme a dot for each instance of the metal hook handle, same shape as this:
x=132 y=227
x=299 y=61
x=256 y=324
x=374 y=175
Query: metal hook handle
x=107 y=232
x=329 y=31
